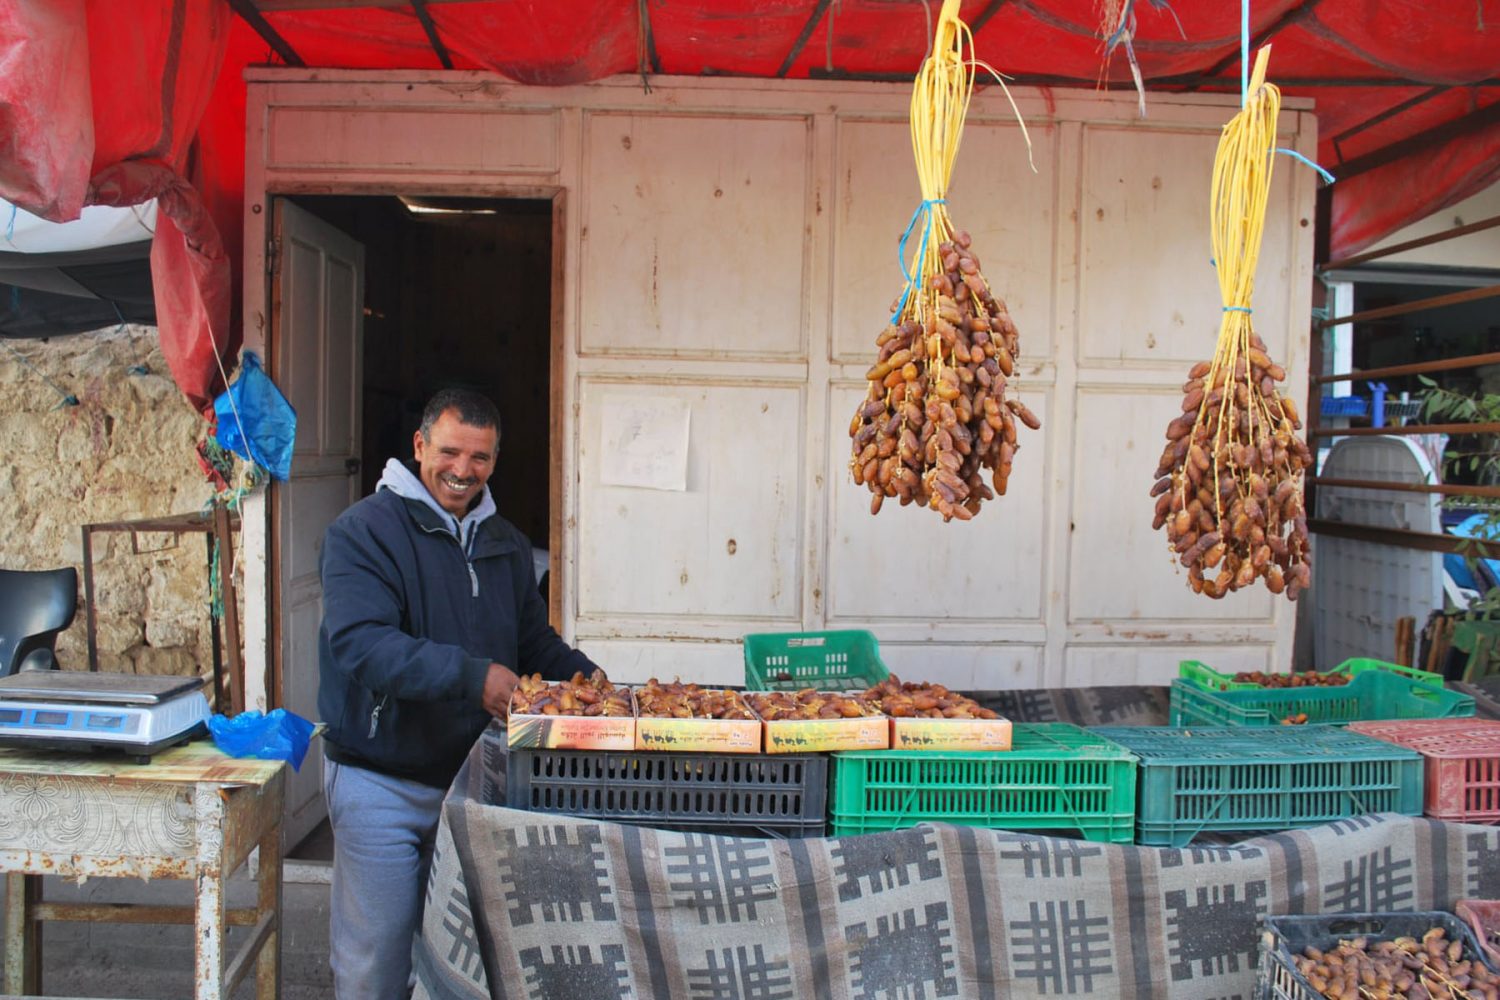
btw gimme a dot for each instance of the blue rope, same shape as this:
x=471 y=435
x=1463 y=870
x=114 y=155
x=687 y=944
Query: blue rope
x=1244 y=52
x=1238 y=309
x=10 y=230
x=68 y=399
x=1328 y=178
x=923 y=209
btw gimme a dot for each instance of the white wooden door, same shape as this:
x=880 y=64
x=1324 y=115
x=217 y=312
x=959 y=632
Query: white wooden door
x=318 y=300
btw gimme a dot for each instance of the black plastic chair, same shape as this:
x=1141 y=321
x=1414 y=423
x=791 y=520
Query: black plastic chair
x=35 y=605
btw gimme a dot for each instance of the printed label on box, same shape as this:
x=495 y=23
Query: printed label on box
x=950 y=734
x=699 y=735
x=571 y=732
x=810 y=735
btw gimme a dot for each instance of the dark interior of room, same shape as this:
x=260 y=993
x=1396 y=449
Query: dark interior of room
x=457 y=293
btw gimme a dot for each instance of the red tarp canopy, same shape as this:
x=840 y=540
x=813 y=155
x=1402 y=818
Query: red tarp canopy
x=116 y=101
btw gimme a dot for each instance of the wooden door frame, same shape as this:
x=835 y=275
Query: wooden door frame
x=556 y=537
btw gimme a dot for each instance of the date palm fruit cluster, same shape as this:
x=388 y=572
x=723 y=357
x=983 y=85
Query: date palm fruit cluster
x=936 y=427
x=1229 y=484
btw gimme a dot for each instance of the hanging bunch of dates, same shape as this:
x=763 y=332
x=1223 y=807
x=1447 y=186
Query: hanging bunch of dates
x=1229 y=484
x=936 y=427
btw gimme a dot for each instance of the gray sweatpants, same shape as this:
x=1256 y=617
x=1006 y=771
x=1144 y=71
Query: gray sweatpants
x=383 y=830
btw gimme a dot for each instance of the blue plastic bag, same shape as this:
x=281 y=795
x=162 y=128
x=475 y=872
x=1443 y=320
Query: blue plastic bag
x=253 y=407
x=277 y=735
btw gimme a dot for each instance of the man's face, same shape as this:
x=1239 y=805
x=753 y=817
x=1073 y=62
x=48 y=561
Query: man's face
x=457 y=462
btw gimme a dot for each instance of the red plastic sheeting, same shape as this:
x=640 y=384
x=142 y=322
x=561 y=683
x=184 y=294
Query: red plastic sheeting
x=46 y=126
x=99 y=104
x=88 y=84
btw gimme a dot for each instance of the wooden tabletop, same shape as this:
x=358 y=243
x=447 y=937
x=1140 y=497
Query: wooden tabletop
x=192 y=762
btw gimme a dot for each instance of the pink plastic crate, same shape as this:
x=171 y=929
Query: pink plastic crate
x=1462 y=773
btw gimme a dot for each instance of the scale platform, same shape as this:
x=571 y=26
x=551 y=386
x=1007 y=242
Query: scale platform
x=76 y=710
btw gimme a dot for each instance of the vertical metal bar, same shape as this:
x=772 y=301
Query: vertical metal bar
x=225 y=537
x=268 y=903
x=90 y=621
x=215 y=645
x=23 y=936
x=208 y=957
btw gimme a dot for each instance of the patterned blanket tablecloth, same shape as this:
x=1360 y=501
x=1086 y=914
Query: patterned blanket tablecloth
x=525 y=905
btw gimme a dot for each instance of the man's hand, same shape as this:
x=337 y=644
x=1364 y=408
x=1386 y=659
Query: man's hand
x=498 y=684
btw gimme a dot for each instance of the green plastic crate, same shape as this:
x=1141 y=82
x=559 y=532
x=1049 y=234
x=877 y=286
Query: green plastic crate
x=829 y=661
x=1192 y=781
x=1209 y=679
x=1055 y=777
x=1374 y=694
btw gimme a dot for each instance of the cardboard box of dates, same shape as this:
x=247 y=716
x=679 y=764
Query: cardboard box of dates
x=686 y=717
x=578 y=714
x=930 y=717
x=810 y=721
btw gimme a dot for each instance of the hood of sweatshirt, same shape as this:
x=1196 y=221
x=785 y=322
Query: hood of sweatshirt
x=402 y=481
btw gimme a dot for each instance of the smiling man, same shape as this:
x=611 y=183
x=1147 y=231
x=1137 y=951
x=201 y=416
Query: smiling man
x=430 y=611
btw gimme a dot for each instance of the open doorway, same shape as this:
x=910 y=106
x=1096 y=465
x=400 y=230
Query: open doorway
x=457 y=292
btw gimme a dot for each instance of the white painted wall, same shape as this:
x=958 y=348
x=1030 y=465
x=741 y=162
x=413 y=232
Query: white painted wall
x=733 y=244
x=1481 y=249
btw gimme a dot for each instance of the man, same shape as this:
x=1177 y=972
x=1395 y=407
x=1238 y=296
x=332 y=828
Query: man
x=430 y=612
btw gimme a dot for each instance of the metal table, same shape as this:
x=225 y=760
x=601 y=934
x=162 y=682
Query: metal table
x=191 y=813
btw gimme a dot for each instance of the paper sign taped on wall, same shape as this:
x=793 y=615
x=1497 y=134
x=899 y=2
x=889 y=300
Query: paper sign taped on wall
x=645 y=442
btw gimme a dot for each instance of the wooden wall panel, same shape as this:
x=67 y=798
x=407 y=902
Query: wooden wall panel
x=694 y=242
x=1134 y=659
x=1150 y=294
x=995 y=196
x=906 y=565
x=417 y=141
x=728 y=549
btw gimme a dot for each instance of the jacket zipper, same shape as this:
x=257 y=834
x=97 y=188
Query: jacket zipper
x=375 y=715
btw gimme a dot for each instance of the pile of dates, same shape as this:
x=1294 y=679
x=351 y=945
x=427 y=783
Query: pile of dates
x=779 y=706
x=594 y=695
x=922 y=701
x=936 y=417
x=689 y=701
x=1229 y=483
x=1308 y=679
x=1433 y=968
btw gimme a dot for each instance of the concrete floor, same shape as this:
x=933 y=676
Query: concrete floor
x=121 y=961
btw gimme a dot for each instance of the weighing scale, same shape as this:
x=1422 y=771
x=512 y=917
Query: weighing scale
x=76 y=710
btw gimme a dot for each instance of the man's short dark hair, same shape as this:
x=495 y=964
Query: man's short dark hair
x=474 y=409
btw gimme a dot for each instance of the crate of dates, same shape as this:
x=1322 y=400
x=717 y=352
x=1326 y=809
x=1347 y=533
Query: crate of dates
x=1374 y=694
x=683 y=717
x=809 y=721
x=1209 y=679
x=1432 y=956
x=930 y=717
x=582 y=713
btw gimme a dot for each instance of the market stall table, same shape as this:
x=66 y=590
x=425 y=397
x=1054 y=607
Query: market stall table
x=191 y=813
x=533 y=905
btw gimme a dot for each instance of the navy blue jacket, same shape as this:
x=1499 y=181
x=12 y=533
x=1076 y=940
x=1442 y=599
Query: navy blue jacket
x=410 y=626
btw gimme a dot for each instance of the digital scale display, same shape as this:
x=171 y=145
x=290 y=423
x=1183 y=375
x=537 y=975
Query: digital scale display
x=58 y=720
x=76 y=710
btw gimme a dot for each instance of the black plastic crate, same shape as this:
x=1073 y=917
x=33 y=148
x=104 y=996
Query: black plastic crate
x=1284 y=937
x=756 y=795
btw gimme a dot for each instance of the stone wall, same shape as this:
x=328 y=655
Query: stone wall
x=125 y=451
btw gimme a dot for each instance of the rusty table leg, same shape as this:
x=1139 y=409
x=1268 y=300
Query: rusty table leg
x=268 y=904
x=208 y=817
x=23 y=936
